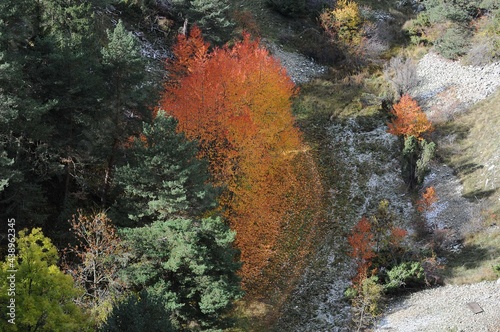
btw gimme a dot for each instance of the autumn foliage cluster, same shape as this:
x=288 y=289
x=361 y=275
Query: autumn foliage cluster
x=343 y=22
x=428 y=198
x=409 y=119
x=235 y=101
x=375 y=242
x=362 y=243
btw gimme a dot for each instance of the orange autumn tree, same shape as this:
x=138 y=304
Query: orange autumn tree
x=428 y=198
x=409 y=119
x=362 y=242
x=236 y=103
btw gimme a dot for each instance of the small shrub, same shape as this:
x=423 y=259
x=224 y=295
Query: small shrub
x=407 y=274
x=453 y=43
x=417 y=28
x=367 y=304
x=452 y=10
x=372 y=293
x=496 y=268
x=486 y=42
x=428 y=198
x=402 y=74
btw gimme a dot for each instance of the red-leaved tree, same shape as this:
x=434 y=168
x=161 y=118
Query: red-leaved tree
x=236 y=101
x=409 y=119
x=362 y=242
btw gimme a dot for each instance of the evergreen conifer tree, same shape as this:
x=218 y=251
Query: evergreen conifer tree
x=186 y=265
x=127 y=93
x=138 y=313
x=23 y=134
x=162 y=178
x=212 y=16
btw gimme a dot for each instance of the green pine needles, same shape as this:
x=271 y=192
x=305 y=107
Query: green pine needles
x=163 y=177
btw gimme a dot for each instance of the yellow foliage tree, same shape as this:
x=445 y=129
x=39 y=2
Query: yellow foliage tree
x=343 y=22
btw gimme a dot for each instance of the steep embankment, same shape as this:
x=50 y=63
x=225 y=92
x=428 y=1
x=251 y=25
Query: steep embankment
x=366 y=170
x=448 y=89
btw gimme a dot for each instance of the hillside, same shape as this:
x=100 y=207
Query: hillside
x=268 y=165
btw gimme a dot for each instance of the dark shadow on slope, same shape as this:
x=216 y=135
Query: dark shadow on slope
x=468 y=168
x=479 y=194
x=470 y=257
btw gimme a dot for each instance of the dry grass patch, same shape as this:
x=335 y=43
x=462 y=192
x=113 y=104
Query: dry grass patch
x=471 y=145
x=475 y=262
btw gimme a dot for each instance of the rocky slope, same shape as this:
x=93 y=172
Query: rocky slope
x=446 y=309
x=448 y=88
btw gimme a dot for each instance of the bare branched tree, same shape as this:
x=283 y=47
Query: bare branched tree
x=402 y=74
x=90 y=261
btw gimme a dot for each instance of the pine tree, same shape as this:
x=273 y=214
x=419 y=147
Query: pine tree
x=186 y=265
x=126 y=95
x=163 y=178
x=212 y=16
x=23 y=135
x=138 y=313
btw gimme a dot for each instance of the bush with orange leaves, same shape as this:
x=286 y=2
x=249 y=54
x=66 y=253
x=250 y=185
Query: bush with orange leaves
x=362 y=242
x=409 y=119
x=376 y=242
x=428 y=198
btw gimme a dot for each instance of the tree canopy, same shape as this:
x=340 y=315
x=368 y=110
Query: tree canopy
x=43 y=295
